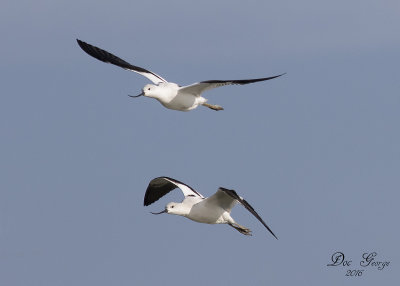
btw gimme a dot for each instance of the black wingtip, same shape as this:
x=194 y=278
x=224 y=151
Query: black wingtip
x=79 y=42
x=234 y=195
x=84 y=46
x=157 y=188
x=276 y=76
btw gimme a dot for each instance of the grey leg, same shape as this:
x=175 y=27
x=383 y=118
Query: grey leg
x=241 y=229
x=213 y=107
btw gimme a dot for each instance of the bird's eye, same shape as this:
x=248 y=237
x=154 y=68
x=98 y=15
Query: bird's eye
x=148 y=88
x=172 y=207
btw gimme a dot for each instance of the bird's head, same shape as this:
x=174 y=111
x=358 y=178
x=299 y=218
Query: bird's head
x=173 y=208
x=149 y=90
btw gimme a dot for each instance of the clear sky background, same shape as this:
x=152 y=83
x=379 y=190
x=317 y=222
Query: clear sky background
x=316 y=152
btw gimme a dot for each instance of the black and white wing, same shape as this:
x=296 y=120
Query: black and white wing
x=199 y=87
x=161 y=186
x=107 y=57
x=227 y=199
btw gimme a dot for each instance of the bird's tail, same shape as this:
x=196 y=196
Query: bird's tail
x=240 y=228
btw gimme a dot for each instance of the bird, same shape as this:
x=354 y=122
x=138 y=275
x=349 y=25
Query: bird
x=215 y=209
x=169 y=94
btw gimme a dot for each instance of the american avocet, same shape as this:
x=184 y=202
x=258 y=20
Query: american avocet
x=171 y=95
x=212 y=210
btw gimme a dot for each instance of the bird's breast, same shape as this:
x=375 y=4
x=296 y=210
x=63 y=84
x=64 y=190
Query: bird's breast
x=201 y=213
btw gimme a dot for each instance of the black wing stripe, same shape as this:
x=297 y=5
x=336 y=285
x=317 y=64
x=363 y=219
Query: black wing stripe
x=161 y=186
x=107 y=57
x=234 y=195
x=179 y=182
x=240 y=81
x=156 y=189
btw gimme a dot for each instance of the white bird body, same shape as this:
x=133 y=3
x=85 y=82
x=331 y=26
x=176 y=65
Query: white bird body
x=200 y=210
x=215 y=209
x=170 y=95
x=218 y=215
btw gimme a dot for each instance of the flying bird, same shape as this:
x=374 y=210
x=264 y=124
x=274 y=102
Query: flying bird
x=215 y=209
x=169 y=94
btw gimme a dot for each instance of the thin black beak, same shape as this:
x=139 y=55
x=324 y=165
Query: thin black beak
x=164 y=211
x=136 y=95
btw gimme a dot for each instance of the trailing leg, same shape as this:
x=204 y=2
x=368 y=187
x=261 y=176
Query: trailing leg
x=213 y=107
x=240 y=228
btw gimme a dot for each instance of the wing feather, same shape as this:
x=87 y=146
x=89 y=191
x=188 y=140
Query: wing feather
x=107 y=57
x=200 y=87
x=235 y=196
x=161 y=186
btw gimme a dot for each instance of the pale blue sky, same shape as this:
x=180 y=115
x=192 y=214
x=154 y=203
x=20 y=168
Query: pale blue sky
x=316 y=152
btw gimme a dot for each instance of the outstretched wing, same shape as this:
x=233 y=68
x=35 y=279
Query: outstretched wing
x=199 y=87
x=107 y=57
x=161 y=186
x=228 y=198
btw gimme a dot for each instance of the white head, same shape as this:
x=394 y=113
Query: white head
x=149 y=90
x=174 y=208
